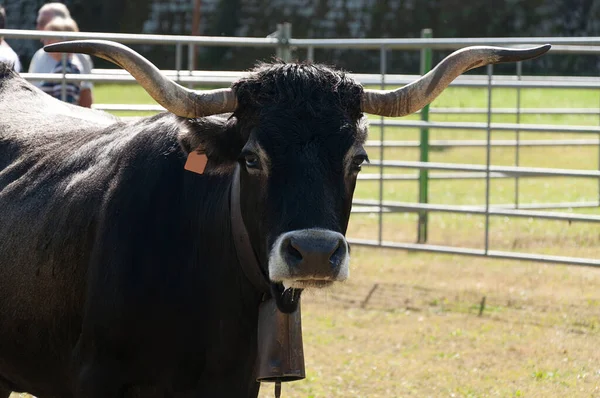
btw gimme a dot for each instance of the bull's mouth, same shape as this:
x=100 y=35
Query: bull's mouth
x=287 y=293
x=287 y=299
x=308 y=283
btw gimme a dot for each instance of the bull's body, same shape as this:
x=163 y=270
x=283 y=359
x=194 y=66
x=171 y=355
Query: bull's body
x=118 y=271
x=84 y=198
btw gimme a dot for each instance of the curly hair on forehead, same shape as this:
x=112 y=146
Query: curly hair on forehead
x=304 y=87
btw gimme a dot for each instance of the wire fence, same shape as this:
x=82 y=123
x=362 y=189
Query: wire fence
x=283 y=45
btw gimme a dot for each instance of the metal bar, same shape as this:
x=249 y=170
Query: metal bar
x=488 y=160
x=382 y=70
x=191 y=65
x=437 y=176
x=285 y=42
x=509 y=170
x=393 y=78
x=514 y=111
x=442 y=43
x=178 y=60
x=63 y=85
x=495 y=210
x=310 y=54
x=145 y=38
x=424 y=147
x=518 y=133
x=542 y=128
x=476 y=252
x=404 y=78
x=284 y=34
x=483 y=143
x=432 y=176
x=228 y=78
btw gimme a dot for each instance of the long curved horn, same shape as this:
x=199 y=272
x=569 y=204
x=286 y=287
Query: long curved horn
x=416 y=95
x=175 y=98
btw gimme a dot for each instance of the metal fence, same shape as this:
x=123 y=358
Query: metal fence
x=283 y=45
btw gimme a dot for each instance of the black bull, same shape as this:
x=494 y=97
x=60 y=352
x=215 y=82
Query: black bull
x=118 y=272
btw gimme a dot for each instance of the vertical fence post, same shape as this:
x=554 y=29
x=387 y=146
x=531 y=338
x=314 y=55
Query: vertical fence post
x=382 y=71
x=284 y=34
x=191 y=56
x=178 y=60
x=490 y=71
x=518 y=133
x=63 y=86
x=310 y=54
x=424 y=147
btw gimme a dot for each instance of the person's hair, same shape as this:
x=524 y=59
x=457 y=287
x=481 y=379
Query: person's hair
x=2 y=18
x=62 y=25
x=56 y=9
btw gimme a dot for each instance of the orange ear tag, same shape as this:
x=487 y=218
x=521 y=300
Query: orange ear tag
x=196 y=162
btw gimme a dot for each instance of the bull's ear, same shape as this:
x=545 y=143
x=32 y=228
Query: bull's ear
x=217 y=136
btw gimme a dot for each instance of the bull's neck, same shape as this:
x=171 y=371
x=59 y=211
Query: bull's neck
x=246 y=255
x=211 y=237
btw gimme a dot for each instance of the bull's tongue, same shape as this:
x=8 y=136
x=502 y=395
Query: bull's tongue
x=287 y=299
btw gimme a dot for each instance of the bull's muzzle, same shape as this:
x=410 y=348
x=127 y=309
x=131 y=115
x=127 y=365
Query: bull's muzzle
x=309 y=258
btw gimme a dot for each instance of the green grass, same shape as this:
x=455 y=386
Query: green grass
x=420 y=334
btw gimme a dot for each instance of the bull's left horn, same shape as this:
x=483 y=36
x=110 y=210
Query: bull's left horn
x=416 y=95
x=175 y=98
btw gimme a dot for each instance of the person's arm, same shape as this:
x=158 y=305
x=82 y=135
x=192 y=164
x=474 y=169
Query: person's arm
x=33 y=65
x=85 y=98
x=18 y=67
x=36 y=65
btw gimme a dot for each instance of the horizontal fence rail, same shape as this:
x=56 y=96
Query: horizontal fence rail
x=539 y=128
x=368 y=80
x=508 y=170
x=480 y=210
x=378 y=169
x=482 y=143
x=496 y=254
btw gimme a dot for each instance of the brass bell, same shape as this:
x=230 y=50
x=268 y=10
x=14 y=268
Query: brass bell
x=280 y=349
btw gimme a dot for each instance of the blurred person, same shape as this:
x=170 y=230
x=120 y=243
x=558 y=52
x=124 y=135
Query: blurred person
x=7 y=54
x=48 y=12
x=70 y=65
x=42 y=62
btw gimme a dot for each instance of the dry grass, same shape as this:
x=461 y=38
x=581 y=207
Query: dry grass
x=419 y=334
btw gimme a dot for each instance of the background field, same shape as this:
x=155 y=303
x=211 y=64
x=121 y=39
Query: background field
x=408 y=324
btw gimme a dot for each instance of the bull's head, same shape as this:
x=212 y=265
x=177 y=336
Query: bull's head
x=297 y=134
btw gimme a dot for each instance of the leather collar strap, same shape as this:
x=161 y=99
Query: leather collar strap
x=243 y=248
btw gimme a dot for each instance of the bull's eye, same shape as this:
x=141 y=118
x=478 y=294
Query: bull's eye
x=358 y=161
x=251 y=161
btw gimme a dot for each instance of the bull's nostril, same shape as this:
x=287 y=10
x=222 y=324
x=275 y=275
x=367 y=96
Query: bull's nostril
x=338 y=255
x=291 y=253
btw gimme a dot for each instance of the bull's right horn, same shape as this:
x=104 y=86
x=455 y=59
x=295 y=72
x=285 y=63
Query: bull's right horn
x=175 y=98
x=416 y=95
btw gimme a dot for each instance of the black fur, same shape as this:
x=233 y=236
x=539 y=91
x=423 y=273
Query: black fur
x=118 y=275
